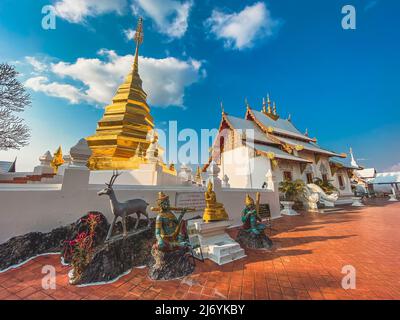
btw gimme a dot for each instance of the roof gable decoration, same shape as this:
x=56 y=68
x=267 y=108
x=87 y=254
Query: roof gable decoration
x=276 y=126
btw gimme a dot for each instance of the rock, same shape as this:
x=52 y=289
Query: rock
x=118 y=256
x=81 y=226
x=19 y=249
x=170 y=265
x=253 y=241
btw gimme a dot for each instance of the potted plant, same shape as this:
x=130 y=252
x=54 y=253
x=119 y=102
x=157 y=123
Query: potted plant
x=292 y=191
x=327 y=186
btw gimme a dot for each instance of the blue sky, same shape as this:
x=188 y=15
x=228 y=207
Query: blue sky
x=343 y=85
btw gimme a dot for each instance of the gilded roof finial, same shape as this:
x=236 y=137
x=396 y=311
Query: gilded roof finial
x=264 y=107
x=222 y=108
x=289 y=117
x=274 y=109
x=139 y=40
x=306 y=133
x=246 y=103
x=269 y=104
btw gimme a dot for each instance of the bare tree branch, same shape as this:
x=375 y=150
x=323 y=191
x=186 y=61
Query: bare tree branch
x=14 y=134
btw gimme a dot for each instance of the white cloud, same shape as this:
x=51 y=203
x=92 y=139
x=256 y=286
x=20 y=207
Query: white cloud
x=129 y=34
x=394 y=168
x=164 y=80
x=170 y=16
x=36 y=64
x=240 y=30
x=55 y=89
x=76 y=11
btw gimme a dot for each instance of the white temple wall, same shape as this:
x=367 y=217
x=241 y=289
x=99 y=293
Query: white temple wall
x=147 y=174
x=43 y=207
x=346 y=190
x=244 y=170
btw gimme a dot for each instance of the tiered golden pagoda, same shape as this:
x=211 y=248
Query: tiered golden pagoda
x=125 y=124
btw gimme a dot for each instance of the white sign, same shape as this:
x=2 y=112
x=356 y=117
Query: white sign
x=191 y=200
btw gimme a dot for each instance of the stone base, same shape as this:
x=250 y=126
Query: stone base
x=19 y=249
x=118 y=256
x=392 y=198
x=253 y=241
x=215 y=243
x=214 y=215
x=357 y=202
x=170 y=265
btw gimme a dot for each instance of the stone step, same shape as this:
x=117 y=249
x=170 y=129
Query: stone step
x=223 y=248
x=232 y=256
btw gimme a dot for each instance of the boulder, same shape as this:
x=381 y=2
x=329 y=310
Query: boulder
x=253 y=241
x=80 y=226
x=170 y=265
x=21 y=248
x=119 y=255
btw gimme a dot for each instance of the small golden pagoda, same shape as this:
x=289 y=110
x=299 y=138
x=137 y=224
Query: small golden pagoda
x=57 y=160
x=125 y=124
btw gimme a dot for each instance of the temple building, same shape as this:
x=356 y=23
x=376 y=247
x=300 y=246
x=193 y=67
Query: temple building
x=122 y=133
x=262 y=149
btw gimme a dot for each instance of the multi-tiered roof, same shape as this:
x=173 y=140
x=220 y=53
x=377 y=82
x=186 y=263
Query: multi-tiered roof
x=274 y=136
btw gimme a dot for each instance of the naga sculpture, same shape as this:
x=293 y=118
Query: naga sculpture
x=123 y=209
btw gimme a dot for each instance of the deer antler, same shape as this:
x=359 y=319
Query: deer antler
x=114 y=177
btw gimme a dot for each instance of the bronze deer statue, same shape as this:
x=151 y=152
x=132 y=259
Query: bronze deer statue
x=123 y=209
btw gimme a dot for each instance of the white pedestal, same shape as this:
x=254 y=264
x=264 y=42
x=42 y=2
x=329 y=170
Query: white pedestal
x=357 y=202
x=392 y=197
x=215 y=243
x=287 y=208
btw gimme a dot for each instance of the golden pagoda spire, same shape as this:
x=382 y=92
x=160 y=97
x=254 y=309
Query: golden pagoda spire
x=274 y=109
x=121 y=135
x=139 y=40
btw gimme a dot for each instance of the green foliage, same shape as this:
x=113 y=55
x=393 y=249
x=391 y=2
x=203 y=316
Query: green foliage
x=327 y=186
x=292 y=190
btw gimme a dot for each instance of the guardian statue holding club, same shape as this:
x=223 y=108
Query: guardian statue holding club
x=171 y=252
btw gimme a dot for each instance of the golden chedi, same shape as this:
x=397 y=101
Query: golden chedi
x=214 y=210
x=125 y=123
x=57 y=160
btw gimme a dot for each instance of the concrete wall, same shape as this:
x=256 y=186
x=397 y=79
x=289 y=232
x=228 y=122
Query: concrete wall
x=43 y=207
x=244 y=170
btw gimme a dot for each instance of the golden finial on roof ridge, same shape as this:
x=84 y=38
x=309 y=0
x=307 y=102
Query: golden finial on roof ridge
x=264 y=106
x=269 y=104
x=306 y=133
x=138 y=37
x=222 y=108
x=246 y=103
x=274 y=112
x=289 y=117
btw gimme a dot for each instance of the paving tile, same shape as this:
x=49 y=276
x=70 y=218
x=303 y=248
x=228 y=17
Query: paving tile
x=306 y=263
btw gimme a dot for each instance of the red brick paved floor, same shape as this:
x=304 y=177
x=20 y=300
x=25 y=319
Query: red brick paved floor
x=310 y=251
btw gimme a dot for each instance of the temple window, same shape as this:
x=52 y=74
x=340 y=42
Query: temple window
x=341 y=182
x=287 y=175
